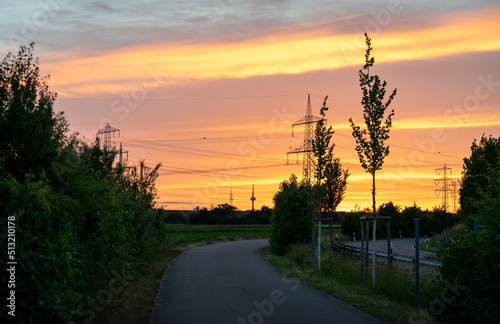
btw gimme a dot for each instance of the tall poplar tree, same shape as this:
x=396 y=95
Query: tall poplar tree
x=328 y=169
x=370 y=142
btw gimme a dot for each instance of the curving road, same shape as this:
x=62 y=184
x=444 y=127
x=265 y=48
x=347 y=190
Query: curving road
x=233 y=283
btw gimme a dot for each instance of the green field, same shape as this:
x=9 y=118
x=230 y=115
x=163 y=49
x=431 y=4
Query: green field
x=182 y=235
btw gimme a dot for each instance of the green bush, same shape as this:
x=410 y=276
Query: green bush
x=351 y=224
x=292 y=216
x=472 y=259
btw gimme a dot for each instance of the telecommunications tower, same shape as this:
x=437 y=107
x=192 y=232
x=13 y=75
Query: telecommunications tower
x=306 y=147
x=252 y=199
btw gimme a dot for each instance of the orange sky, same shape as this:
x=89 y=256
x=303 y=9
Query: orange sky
x=211 y=90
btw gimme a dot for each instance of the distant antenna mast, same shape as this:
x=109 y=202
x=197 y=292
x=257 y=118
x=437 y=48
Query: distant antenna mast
x=231 y=198
x=306 y=147
x=105 y=135
x=445 y=188
x=252 y=199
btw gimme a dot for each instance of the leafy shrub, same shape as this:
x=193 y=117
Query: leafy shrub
x=351 y=224
x=472 y=260
x=292 y=216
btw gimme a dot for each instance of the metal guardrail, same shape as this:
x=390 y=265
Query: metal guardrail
x=347 y=249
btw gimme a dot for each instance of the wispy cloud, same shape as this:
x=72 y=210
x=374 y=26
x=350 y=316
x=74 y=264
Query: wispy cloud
x=290 y=53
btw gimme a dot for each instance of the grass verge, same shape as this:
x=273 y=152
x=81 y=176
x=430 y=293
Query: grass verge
x=135 y=301
x=391 y=299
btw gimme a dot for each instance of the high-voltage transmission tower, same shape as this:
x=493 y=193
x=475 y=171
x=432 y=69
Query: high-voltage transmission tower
x=445 y=183
x=306 y=147
x=454 y=185
x=105 y=134
x=121 y=152
x=231 y=200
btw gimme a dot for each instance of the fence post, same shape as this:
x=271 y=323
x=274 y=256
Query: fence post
x=313 y=239
x=389 y=259
x=417 y=261
x=362 y=253
x=374 y=251
x=331 y=232
x=367 y=256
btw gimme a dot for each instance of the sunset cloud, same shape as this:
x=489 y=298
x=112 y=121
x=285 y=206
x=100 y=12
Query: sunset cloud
x=295 y=52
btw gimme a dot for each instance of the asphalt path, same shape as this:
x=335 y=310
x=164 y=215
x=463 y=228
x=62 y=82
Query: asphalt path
x=233 y=283
x=404 y=247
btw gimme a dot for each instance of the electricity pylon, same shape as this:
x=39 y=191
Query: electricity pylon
x=121 y=153
x=306 y=147
x=445 y=185
x=105 y=135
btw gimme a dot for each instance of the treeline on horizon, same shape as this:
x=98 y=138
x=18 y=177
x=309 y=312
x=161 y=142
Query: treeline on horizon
x=223 y=214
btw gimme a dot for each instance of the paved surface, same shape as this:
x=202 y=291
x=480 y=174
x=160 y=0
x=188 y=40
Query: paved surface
x=233 y=283
x=404 y=246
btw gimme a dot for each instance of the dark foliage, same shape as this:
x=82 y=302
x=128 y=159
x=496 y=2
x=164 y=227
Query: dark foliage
x=79 y=220
x=292 y=217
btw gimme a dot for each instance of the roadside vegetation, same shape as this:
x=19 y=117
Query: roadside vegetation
x=392 y=299
x=85 y=227
x=136 y=303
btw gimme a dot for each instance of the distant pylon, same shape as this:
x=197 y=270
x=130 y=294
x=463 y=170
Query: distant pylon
x=252 y=199
x=306 y=147
x=231 y=198
x=121 y=153
x=445 y=188
x=454 y=184
x=105 y=135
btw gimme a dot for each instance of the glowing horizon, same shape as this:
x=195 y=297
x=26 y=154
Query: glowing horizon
x=212 y=93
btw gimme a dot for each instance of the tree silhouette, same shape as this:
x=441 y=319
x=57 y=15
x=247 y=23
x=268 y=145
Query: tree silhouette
x=370 y=142
x=331 y=192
